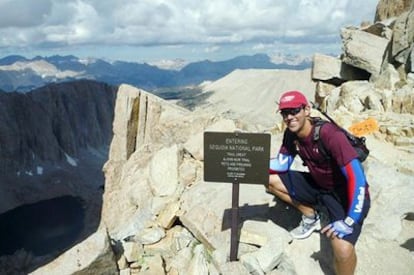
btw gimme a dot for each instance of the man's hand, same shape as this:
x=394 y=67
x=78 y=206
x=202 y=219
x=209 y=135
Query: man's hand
x=337 y=229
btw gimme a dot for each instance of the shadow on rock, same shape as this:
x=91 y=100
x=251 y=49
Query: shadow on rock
x=281 y=214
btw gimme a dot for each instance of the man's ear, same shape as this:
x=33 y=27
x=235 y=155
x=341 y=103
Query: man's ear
x=307 y=110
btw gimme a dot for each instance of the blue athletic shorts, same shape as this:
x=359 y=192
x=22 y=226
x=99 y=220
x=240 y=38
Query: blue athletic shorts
x=302 y=188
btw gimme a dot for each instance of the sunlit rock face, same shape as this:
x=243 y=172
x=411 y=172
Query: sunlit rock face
x=391 y=8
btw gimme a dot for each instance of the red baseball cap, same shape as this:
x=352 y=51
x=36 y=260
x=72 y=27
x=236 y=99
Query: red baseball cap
x=292 y=99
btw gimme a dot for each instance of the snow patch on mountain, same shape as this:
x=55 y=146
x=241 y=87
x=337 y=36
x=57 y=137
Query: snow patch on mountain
x=87 y=61
x=170 y=64
x=280 y=58
x=41 y=68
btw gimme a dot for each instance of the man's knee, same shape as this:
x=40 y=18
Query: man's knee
x=276 y=185
x=343 y=250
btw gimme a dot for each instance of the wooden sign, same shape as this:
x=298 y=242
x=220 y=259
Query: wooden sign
x=236 y=157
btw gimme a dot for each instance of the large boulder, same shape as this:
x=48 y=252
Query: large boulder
x=363 y=50
x=332 y=70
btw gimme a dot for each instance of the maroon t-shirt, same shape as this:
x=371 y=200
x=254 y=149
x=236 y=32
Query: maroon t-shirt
x=326 y=173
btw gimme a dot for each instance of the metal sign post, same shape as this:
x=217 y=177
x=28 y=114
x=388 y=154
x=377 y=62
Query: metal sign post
x=237 y=158
x=234 y=221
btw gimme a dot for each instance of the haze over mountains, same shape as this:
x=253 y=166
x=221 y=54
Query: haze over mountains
x=18 y=73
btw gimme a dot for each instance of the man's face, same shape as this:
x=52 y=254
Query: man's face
x=295 y=118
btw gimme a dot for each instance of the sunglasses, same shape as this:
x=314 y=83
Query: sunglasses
x=290 y=111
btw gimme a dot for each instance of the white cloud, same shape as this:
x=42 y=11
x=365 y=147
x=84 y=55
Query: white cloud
x=20 y=14
x=51 y=24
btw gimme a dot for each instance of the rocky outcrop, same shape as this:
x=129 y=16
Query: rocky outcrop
x=372 y=48
x=146 y=150
x=157 y=187
x=391 y=8
x=375 y=72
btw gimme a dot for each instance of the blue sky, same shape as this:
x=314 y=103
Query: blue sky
x=152 y=30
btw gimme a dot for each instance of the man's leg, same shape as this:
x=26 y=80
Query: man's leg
x=277 y=188
x=304 y=196
x=345 y=258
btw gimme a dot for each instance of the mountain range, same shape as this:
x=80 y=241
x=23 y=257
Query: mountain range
x=18 y=73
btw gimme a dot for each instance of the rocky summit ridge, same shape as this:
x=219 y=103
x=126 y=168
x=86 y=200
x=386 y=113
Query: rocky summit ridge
x=160 y=217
